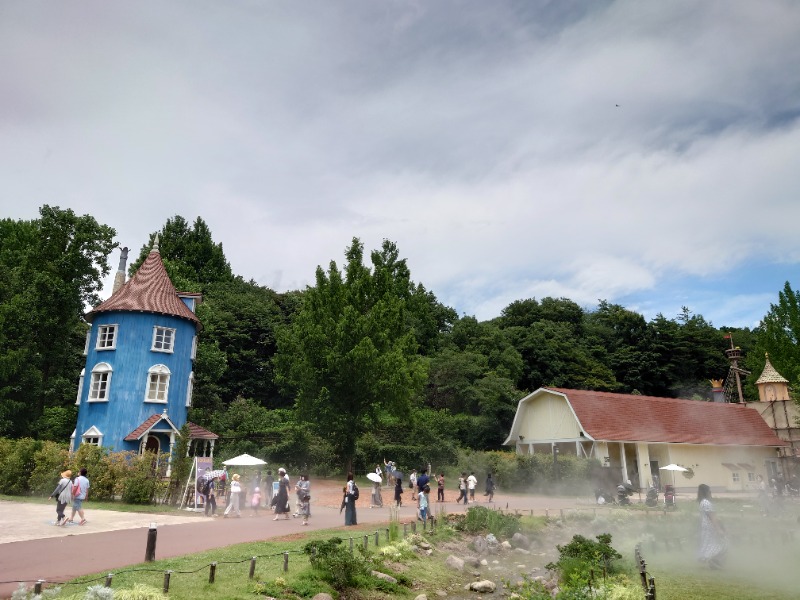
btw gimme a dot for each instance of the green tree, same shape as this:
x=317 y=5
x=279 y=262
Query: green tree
x=349 y=355
x=52 y=269
x=778 y=334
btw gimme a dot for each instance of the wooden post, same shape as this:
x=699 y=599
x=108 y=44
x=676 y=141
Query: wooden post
x=377 y=539
x=150 y=550
x=351 y=545
x=413 y=526
x=166 y=581
x=285 y=561
x=37 y=587
x=405 y=530
x=387 y=536
x=212 y=572
x=253 y=566
x=366 y=541
x=651 y=590
x=109 y=577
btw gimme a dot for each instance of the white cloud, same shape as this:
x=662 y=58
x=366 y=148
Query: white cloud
x=486 y=141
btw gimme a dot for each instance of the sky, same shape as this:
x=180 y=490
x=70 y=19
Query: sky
x=642 y=152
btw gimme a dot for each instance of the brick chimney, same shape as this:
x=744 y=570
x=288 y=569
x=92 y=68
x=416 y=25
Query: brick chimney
x=119 y=278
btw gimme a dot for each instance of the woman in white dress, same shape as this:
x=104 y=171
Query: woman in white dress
x=713 y=544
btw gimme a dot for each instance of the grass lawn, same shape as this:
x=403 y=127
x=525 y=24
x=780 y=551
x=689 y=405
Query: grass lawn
x=162 y=509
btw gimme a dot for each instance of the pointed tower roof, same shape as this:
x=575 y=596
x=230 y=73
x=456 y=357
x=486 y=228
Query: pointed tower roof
x=149 y=290
x=770 y=375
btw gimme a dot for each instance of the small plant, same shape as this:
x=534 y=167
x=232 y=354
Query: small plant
x=25 y=593
x=337 y=566
x=394 y=524
x=140 y=592
x=99 y=592
x=480 y=518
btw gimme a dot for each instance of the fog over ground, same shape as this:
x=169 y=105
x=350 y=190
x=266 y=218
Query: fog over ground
x=639 y=152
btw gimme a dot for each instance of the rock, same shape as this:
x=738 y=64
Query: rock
x=484 y=562
x=425 y=545
x=554 y=592
x=441 y=593
x=428 y=552
x=454 y=563
x=384 y=576
x=472 y=561
x=519 y=540
x=322 y=596
x=521 y=551
x=484 y=586
x=421 y=597
x=521 y=567
x=491 y=540
x=480 y=544
x=506 y=545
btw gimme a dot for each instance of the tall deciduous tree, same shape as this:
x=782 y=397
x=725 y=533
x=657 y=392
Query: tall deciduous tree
x=52 y=270
x=349 y=353
x=779 y=335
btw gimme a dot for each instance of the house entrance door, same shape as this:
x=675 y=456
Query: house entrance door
x=654 y=474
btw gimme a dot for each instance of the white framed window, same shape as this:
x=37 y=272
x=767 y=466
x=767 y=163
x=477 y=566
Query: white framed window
x=163 y=339
x=80 y=387
x=101 y=383
x=86 y=343
x=157 y=384
x=106 y=337
x=190 y=389
x=751 y=477
x=194 y=347
x=92 y=436
x=735 y=477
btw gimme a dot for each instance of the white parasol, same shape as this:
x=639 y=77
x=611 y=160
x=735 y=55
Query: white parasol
x=374 y=477
x=244 y=460
x=673 y=467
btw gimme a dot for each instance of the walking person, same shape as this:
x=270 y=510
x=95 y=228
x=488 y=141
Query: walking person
x=472 y=482
x=412 y=483
x=255 y=501
x=63 y=496
x=398 y=492
x=377 y=499
x=490 y=487
x=79 y=495
x=268 y=492
x=210 y=494
x=234 y=496
x=350 y=497
x=422 y=503
x=282 y=498
x=440 y=488
x=302 y=489
x=713 y=544
x=305 y=501
x=462 y=488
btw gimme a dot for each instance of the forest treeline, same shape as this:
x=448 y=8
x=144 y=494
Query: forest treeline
x=364 y=363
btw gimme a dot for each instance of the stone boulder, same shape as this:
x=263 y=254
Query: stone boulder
x=483 y=587
x=519 y=540
x=384 y=576
x=322 y=596
x=454 y=563
x=480 y=545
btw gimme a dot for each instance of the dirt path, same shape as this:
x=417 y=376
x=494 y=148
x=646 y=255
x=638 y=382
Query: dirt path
x=32 y=548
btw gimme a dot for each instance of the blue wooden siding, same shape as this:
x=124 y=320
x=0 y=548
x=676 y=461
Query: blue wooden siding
x=126 y=408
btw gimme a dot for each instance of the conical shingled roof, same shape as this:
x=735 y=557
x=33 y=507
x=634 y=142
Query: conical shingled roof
x=770 y=375
x=149 y=290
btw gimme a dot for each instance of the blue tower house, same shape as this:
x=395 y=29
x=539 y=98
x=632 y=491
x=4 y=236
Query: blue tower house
x=136 y=388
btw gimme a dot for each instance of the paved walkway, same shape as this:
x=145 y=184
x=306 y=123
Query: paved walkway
x=32 y=548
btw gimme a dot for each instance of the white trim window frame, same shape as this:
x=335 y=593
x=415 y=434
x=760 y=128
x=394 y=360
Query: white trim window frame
x=190 y=390
x=80 y=387
x=92 y=437
x=157 y=384
x=735 y=477
x=107 y=337
x=100 y=386
x=194 y=348
x=88 y=339
x=163 y=339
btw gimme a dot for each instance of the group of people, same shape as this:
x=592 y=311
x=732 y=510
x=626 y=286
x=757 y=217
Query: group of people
x=210 y=486
x=70 y=492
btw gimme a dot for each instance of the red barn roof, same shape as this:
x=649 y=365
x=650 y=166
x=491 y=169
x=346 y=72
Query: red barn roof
x=626 y=417
x=149 y=290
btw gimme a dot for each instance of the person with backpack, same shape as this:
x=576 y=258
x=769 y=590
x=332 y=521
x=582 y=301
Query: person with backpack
x=63 y=496
x=80 y=490
x=351 y=494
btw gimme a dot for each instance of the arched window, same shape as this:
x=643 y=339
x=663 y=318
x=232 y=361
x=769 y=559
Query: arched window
x=92 y=436
x=157 y=384
x=101 y=383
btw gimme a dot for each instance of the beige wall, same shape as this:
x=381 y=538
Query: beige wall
x=547 y=417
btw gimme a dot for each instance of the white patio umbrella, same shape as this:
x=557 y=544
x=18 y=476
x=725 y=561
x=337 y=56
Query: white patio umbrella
x=673 y=467
x=243 y=460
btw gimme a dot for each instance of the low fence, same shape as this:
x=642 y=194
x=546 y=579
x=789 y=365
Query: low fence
x=375 y=538
x=648 y=581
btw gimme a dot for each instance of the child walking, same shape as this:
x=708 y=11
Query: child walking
x=255 y=501
x=422 y=502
